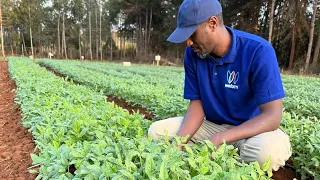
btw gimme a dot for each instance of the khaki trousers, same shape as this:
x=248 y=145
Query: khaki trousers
x=258 y=148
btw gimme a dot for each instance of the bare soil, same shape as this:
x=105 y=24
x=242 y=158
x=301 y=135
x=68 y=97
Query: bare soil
x=16 y=143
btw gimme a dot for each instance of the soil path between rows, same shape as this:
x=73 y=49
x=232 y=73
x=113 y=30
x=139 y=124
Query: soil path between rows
x=16 y=143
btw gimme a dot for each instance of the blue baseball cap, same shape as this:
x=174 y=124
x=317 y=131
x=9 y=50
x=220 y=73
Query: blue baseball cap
x=191 y=14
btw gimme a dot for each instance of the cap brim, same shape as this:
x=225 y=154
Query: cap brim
x=182 y=34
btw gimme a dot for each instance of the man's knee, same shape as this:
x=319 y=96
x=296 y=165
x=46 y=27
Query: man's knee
x=154 y=130
x=167 y=126
x=274 y=144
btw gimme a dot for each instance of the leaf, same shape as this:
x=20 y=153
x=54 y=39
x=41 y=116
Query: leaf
x=163 y=171
x=94 y=167
x=204 y=169
x=140 y=132
x=254 y=175
x=270 y=172
x=126 y=174
x=185 y=138
x=267 y=164
x=36 y=159
x=188 y=149
x=77 y=154
x=210 y=145
x=192 y=163
x=32 y=171
x=149 y=164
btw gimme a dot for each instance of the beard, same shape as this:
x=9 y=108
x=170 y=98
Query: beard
x=203 y=55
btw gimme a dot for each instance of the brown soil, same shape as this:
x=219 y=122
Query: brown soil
x=57 y=74
x=285 y=173
x=16 y=143
x=130 y=108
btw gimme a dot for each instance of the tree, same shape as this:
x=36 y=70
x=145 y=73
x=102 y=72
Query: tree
x=90 y=29
x=30 y=27
x=315 y=3
x=316 y=52
x=2 y=41
x=271 y=6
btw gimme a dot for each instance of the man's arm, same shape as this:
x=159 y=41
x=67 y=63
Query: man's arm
x=268 y=120
x=192 y=119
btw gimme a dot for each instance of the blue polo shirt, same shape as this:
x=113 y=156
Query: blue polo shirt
x=232 y=88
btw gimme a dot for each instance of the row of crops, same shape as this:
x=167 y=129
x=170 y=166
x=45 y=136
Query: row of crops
x=81 y=136
x=159 y=90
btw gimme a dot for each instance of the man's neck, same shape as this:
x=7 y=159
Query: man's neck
x=224 y=45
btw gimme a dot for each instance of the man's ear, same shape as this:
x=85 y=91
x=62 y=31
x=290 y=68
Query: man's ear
x=213 y=23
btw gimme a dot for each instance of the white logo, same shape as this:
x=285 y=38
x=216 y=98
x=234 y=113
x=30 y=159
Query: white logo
x=232 y=79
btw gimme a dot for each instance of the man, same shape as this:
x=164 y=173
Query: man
x=234 y=86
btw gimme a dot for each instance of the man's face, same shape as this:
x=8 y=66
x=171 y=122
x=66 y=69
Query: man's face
x=200 y=41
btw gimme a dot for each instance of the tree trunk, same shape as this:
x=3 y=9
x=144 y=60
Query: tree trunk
x=32 y=53
x=64 y=36
x=271 y=19
x=311 y=35
x=2 y=40
x=150 y=23
x=111 y=55
x=39 y=42
x=58 y=29
x=100 y=38
x=90 y=37
x=137 y=39
x=293 y=47
x=80 y=54
x=316 y=52
x=120 y=48
x=146 y=33
x=140 y=35
x=22 y=52
x=24 y=44
x=96 y=33
x=125 y=47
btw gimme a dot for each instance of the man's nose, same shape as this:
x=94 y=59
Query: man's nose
x=189 y=42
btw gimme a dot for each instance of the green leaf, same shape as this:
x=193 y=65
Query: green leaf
x=267 y=164
x=192 y=163
x=32 y=171
x=163 y=171
x=36 y=159
x=149 y=164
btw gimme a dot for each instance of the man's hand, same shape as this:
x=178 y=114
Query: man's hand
x=217 y=139
x=268 y=120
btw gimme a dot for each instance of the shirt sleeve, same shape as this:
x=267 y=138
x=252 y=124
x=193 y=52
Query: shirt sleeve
x=191 y=86
x=266 y=81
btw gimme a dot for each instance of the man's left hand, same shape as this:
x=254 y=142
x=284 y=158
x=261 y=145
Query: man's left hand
x=217 y=139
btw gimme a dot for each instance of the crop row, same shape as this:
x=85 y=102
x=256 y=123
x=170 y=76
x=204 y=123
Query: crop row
x=81 y=136
x=158 y=98
x=301 y=106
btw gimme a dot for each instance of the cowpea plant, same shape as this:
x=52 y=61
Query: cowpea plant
x=159 y=89
x=158 y=98
x=81 y=136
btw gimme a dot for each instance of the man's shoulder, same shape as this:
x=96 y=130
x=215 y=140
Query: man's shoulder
x=251 y=39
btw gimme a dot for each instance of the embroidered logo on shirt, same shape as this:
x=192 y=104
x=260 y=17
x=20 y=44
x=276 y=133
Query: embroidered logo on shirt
x=232 y=79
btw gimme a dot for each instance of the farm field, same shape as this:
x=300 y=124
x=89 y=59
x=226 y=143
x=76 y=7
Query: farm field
x=81 y=136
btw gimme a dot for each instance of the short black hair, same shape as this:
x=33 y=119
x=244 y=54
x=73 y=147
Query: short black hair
x=220 y=19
